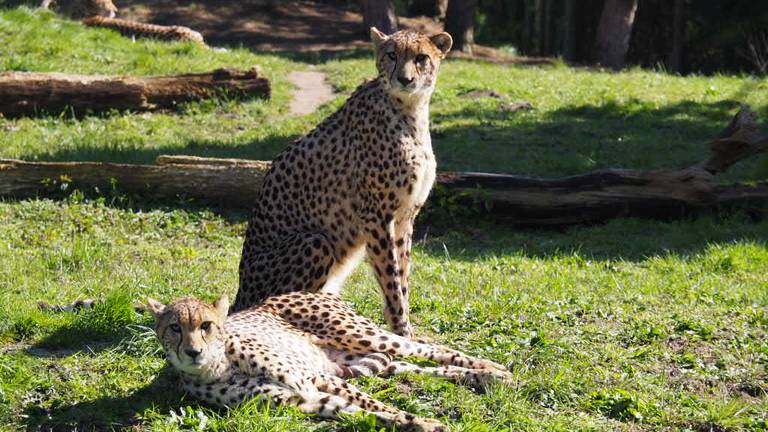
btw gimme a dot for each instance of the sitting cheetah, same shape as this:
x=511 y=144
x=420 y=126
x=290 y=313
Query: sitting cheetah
x=352 y=186
x=296 y=348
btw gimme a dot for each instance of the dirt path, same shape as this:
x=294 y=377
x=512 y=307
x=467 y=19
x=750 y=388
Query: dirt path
x=312 y=90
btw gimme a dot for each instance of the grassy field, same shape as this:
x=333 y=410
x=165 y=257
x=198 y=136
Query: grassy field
x=632 y=326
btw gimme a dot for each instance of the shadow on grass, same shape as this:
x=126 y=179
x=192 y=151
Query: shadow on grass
x=571 y=140
x=579 y=139
x=629 y=239
x=265 y=149
x=108 y=323
x=108 y=413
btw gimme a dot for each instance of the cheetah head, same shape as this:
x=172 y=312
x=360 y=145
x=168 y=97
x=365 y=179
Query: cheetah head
x=191 y=332
x=89 y=8
x=103 y=8
x=408 y=61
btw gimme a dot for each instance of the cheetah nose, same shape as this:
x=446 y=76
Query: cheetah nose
x=405 y=80
x=193 y=353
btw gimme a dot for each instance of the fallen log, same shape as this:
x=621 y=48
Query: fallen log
x=590 y=198
x=227 y=186
x=28 y=93
x=607 y=194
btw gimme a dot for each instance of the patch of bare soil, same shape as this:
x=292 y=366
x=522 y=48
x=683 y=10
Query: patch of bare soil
x=312 y=90
x=293 y=25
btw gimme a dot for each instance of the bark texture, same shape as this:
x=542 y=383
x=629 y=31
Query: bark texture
x=613 y=32
x=430 y=8
x=29 y=93
x=460 y=24
x=678 y=38
x=379 y=14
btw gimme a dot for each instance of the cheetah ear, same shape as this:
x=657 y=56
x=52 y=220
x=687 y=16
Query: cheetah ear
x=443 y=41
x=222 y=306
x=155 y=307
x=377 y=37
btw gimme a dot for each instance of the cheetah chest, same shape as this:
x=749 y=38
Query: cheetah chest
x=422 y=168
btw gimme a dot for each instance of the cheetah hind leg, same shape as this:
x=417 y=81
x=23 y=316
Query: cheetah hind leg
x=378 y=340
x=334 y=396
x=456 y=366
x=240 y=388
x=356 y=365
x=399 y=346
x=300 y=262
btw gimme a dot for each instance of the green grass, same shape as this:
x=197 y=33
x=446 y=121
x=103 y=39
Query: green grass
x=582 y=119
x=632 y=325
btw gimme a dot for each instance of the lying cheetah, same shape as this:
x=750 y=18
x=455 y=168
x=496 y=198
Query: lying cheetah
x=101 y=13
x=352 y=186
x=139 y=29
x=296 y=349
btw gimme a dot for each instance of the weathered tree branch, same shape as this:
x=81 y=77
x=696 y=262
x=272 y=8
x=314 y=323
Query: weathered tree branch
x=27 y=93
x=589 y=198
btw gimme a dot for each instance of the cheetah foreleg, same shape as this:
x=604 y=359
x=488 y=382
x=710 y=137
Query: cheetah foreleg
x=385 y=414
x=403 y=241
x=381 y=341
x=382 y=253
x=479 y=379
x=239 y=389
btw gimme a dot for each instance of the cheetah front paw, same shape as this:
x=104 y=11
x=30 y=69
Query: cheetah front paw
x=482 y=380
x=492 y=366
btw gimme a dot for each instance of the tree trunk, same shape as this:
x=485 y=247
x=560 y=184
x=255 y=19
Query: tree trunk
x=460 y=24
x=528 y=37
x=589 y=198
x=613 y=32
x=549 y=43
x=430 y=8
x=379 y=14
x=678 y=38
x=538 y=27
x=28 y=93
x=569 y=36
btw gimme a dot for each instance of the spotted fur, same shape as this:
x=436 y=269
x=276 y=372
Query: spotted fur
x=296 y=349
x=351 y=187
x=138 y=29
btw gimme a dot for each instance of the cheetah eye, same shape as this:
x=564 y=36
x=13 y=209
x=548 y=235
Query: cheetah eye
x=421 y=58
x=206 y=326
x=175 y=328
x=391 y=55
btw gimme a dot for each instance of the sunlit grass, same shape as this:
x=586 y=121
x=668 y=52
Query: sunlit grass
x=632 y=325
